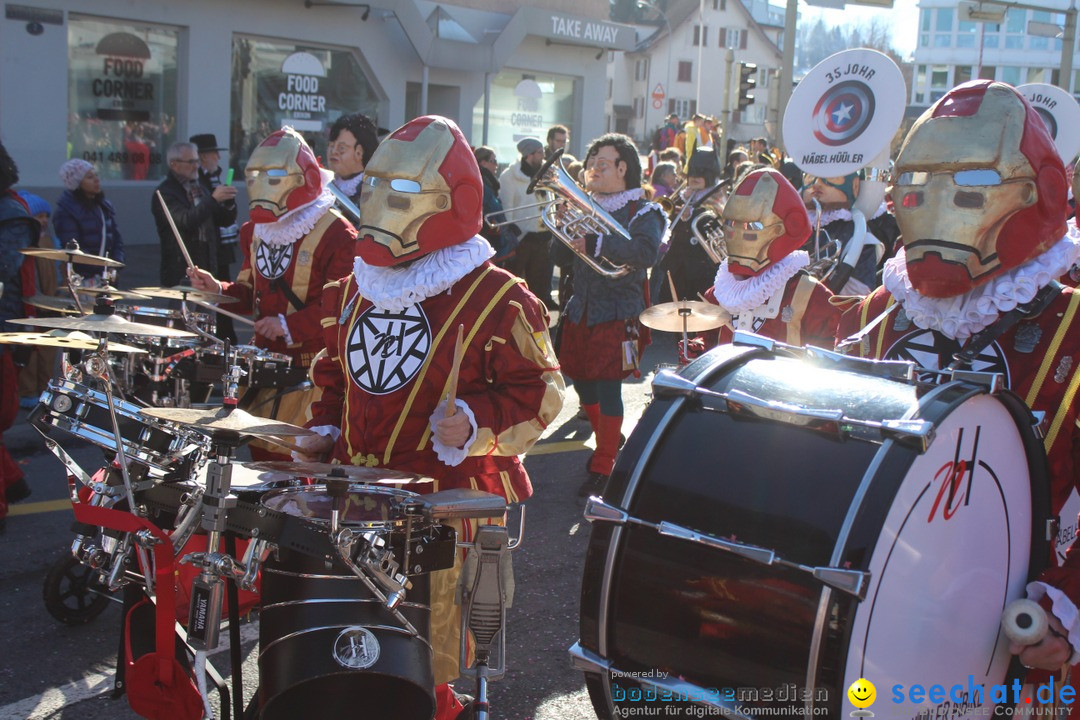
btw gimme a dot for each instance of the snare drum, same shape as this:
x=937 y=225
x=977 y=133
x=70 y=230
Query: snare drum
x=263 y=369
x=324 y=641
x=820 y=522
x=84 y=412
x=167 y=317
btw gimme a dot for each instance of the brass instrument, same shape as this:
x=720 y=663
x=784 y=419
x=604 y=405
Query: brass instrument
x=708 y=232
x=345 y=205
x=824 y=257
x=673 y=202
x=687 y=210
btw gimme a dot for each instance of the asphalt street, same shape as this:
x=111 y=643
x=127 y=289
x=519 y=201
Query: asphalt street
x=52 y=670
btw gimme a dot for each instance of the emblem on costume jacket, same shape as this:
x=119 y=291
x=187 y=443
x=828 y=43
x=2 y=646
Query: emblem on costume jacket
x=1061 y=374
x=1027 y=337
x=931 y=350
x=901 y=322
x=271 y=261
x=386 y=349
x=787 y=313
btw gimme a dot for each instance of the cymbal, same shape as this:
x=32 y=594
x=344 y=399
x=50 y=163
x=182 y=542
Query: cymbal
x=668 y=317
x=75 y=256
x=53 y=304
x=111 y=293
x=328 y=471
x=236 y=421
x=184 y=292
x=66 y=339
x=113 y=324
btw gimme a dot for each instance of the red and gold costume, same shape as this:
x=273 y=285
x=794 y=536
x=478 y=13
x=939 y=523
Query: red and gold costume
x=390 y=330
x=761 y=284
x=979 y=199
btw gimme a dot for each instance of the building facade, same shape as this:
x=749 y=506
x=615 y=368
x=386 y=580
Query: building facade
x=688 y=69
x=952 y=50
x=116 y=81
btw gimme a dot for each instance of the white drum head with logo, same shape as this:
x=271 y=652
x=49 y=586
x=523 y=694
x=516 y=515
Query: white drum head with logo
x=1061 y=113
x=953 y=552
x=844 y=112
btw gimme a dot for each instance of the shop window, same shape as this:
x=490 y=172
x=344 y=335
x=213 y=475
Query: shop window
x=280 y=83
x=122 y=97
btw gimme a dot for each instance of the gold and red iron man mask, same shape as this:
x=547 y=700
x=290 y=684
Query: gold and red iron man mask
x=421 y=192
x=282 y=175
x=979 y=189
x=764 y=222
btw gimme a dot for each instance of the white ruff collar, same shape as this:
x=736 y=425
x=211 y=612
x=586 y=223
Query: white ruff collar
x=829 y=216
x=297 y=223
x=349 y=186
x=394 y=289
x=962 y=316
x=611 y=203
x=738 y=294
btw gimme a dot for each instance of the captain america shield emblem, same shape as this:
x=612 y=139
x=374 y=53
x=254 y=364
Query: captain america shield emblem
x=386 y=349
x=931 y=351
x=1048 y=120
x=271 y=261
x=843 y=113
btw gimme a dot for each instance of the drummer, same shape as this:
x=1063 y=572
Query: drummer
x=390 y=331
x=762 y=285
x=988 y=290
x=294 y=244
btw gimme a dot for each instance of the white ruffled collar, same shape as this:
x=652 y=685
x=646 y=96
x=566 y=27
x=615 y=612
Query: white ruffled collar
x=962 y=316
x=297 y=223
x=394 y=289
x=830 y=216
x=349 y=186
x=615 y=201
x=737 y=294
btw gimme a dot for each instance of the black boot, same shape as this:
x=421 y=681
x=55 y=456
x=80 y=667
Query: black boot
x=18 y=491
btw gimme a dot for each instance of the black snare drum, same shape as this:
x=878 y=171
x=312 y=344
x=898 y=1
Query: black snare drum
x=791 y=524
x=326 y=644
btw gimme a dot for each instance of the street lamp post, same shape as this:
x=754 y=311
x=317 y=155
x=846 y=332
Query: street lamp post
x=651 y=5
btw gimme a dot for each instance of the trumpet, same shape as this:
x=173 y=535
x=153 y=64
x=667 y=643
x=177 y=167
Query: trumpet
x=573 y=213
x=709 y=234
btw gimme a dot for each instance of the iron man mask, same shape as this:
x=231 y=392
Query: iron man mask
x=764 y=221
x=282 y=175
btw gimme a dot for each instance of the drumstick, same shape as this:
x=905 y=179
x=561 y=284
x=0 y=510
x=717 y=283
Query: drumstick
x=451 y=395
x=674 y=295
x=215 y=308
x=703 y=298
x=175 y=232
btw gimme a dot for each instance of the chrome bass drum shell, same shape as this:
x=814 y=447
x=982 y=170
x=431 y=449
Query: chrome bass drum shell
x=675 y=611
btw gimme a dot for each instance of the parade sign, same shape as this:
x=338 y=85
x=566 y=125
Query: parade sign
x=844 y=112
x=1061 y=113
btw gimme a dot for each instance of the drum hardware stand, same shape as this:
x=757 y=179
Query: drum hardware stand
x=486 y=590
x=852 y=582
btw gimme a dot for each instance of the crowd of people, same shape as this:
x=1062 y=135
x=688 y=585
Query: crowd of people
x=974 y=251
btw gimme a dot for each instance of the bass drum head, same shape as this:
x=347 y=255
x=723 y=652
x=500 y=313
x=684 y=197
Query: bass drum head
x=954 y=550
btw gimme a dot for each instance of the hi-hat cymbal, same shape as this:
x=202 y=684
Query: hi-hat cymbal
x=53 y=304
x=111 y=293
x=225 y=420
x=183 y=292
x=75 y=256
x=668 y=317
x=66 y=339
x=327 y=471
x=113 y=324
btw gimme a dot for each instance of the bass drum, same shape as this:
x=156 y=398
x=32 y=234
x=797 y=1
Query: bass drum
x=754 y=549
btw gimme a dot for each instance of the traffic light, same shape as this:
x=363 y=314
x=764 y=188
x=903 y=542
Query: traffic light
x=747 y=82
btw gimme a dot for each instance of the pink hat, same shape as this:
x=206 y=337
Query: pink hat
x=73 y=171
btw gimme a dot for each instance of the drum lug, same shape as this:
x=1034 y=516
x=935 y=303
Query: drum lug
x=993 y=382
x=853 y=582
x=596 y=510
x=741 y=337
x=587 y=661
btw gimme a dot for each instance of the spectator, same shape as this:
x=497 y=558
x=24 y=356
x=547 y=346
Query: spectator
x=35 y=374
x=501 y=238
x=85 y=216
x=666 y=135
x=558 y=138
x=533 y=262
x=197 y=215
x=664 y=179
x=210 y=178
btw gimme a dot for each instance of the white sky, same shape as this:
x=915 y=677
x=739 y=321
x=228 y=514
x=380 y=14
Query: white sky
x=903 y=17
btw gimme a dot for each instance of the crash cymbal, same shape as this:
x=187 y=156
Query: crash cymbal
x=668 y=317
x=74 y=255
x=66 y=339
x=235 y=421
x=110 y=293
x=95 y=322
x=327 y=471
x=53 y=304
x=183 y=292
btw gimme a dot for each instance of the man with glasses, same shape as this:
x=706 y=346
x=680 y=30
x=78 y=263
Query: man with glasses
x=197 y=213
x=353 y=140
x=295 y=243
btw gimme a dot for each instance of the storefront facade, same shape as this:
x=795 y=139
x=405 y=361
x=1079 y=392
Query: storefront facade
x=118 y=85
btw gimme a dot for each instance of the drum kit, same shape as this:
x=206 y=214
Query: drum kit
x=335 y=558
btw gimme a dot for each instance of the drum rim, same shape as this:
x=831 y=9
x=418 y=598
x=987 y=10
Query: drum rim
x=391 y=492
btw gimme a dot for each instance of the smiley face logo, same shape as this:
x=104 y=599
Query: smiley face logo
x=862 y=693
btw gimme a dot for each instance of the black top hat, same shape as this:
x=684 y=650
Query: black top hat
x=207 y=142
